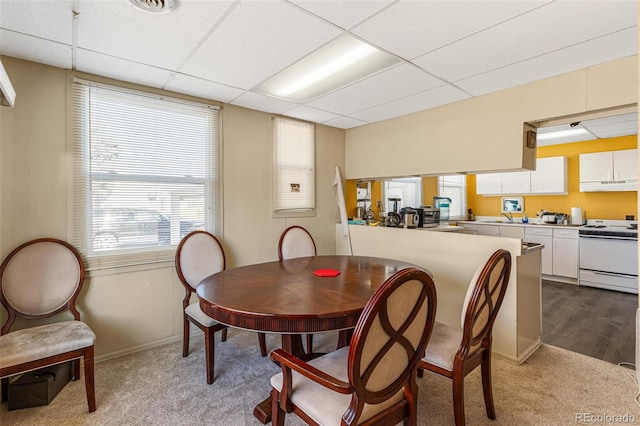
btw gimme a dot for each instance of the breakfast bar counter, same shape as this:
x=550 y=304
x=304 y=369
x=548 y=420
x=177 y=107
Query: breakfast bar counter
x=453 y=258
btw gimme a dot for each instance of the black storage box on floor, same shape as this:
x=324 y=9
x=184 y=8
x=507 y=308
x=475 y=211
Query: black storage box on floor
x=38 y=387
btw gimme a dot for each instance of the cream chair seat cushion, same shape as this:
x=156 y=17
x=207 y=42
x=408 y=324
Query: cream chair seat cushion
x=35 y=343
x=194 y=311
x=443 y=345
x=323 y=405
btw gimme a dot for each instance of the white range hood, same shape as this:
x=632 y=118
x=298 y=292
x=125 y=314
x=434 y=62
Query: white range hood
x=7 y=93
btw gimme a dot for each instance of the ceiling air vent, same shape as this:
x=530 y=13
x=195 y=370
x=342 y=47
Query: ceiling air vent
x=154 y=6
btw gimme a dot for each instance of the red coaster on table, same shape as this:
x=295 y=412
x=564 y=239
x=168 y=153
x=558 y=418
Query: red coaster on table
x=326 y=272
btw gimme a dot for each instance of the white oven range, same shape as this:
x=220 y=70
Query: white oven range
x=609 y=255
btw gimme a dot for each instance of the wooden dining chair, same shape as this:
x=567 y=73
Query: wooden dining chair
x=295 y=242
x=199 y=255
x=372 y=381
x=40 y=279
x=453 y=352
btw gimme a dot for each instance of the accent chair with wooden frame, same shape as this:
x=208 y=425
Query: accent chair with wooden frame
x=295 y=242
x=372 y=381
x=39 y=279
x=454 y=353
x=199 y=255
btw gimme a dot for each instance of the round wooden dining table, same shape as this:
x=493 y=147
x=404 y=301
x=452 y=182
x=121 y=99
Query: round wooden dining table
x=291 y=298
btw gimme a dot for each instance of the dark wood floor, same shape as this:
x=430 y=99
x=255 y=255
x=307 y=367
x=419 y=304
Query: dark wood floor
x=591 y=321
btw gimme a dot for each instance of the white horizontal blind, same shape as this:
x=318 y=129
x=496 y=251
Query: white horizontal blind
x=294 y=166
x=454 y=187
x=146 y=172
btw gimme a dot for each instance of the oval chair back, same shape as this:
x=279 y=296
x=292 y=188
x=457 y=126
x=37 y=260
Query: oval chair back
x=389 y=341
x=483 y=299
x=199 y=255
x=296 y=241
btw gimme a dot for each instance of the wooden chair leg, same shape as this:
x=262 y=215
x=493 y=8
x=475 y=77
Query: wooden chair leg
x=185 y=337
x=5 y=389
x=344 y=338
x=263 y=344
x=485 y=368
x=224 y=334
x=277 y=413
x=89 y=381
x=458 y=398
x=75 y=365
x=309 y=343
x=209 y=349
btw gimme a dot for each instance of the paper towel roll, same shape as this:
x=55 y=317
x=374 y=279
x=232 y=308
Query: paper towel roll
x=576 y=215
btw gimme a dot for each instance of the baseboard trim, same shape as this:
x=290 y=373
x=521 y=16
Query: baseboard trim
x=145 y=346
x=522 y=356
x=559 y=279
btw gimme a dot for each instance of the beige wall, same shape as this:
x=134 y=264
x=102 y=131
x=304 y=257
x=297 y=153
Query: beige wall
x=131 y=309
x=484 y=133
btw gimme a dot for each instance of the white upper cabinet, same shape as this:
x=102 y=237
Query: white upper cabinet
x=489 y=183
x=516 y=183
x=596 y=167
x=550 y=177
x=625 y=164
x=609 y=171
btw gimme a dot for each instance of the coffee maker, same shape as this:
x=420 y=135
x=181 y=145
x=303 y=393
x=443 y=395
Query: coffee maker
x=393 y=218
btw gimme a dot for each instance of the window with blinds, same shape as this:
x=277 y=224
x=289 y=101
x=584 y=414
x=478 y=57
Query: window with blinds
x=146 y=172
x=454 y=187
x=294 y=168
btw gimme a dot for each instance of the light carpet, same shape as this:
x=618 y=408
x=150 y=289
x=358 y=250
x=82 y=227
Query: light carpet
x=160 y=387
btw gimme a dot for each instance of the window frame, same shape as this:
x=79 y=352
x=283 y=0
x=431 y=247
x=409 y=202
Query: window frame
x=292 y=212
x=413 y=180
x=81 y=225
x=463 y=196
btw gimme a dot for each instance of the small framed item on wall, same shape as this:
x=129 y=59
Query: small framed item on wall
x=512 y=204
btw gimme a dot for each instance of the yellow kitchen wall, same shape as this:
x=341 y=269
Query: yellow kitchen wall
x=596 y=205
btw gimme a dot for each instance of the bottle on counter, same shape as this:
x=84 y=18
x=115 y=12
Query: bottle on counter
x=525 y=218
x=470 y=215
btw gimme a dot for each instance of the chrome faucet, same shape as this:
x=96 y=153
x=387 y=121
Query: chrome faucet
x=508 y=216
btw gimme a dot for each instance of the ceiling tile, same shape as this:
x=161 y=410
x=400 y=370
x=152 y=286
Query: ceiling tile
x=35 y=49
x=119 y=69
x=344 y=123
x=386 y=86
x=202 y=88
x=51 y=20
x=429 y=99
x=263 y=103
x=618 y=45
x=546 y=29
x=615 y=130
x=310 y=114
x=411 y=28
x=165 y=40
x=609 y=127
x=256 y=40
x=344 y=14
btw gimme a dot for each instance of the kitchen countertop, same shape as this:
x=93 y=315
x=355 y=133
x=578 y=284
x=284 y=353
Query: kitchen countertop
x=507 y=223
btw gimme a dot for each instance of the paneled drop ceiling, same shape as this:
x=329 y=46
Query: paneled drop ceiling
x=222 y=50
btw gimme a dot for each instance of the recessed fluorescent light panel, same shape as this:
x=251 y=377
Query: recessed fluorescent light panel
x=562 y=134
x=338 y=63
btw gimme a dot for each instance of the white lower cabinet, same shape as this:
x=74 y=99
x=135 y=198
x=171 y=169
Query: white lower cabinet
x=565 y=252
x=492 y=230
x=542 y=236
x=560 y=252
x=512 y=231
